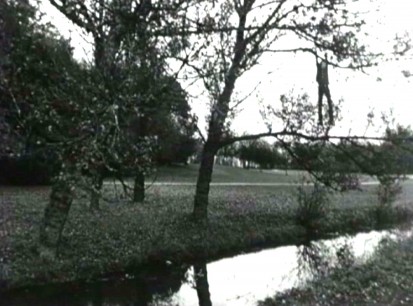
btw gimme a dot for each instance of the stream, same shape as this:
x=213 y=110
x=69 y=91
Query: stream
x=244 y=279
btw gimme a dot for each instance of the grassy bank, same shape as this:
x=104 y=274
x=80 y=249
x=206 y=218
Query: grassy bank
x=386 y=279
x=123 y=236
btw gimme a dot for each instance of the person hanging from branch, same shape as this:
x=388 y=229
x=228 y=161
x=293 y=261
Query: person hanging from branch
x=323 y=90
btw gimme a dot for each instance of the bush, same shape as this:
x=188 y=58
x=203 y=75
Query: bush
x=311 y=207
x=387 y=193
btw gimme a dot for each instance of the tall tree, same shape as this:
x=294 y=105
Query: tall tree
x=39 y=65
x=14 y=18
x=120 y=34
x=95 y=117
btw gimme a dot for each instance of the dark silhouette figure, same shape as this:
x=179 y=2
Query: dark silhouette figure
x=322 y=80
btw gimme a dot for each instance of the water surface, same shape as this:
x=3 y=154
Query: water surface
x=244 y=279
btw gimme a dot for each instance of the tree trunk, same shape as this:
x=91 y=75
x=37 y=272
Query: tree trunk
x=204 y=179
x=55 y=216
x=95 y=194
x=202 y=286
x=219 y=113
x=139 y=188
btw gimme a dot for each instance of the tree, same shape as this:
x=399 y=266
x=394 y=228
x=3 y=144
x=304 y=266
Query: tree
x=403 y=49
x=39 y=65
x=98 y=117
x=101 y=19
x=8 y=138
x=246 y=153
x=233 y=36
x=170 y=121
x=29 y=54
x=260 y=153
x=122 y=33
x=174 y=145
x=165 y=116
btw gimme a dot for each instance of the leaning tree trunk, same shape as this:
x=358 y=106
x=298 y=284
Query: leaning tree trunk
x=202 y=286
x=95 y=194
x=219 y=114
x=204 y=179
x=139 y=188
x=55 y=216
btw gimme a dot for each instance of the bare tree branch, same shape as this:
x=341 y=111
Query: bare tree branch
x=86 y=24
x=231 y=140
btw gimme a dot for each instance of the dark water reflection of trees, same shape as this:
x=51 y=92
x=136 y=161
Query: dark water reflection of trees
x=147 y=288
x=160 y=285
x=201 y=284
x=240 y=280
x=318 y=259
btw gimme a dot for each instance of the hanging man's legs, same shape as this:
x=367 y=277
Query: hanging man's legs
x=330 y=106
x=320 y=105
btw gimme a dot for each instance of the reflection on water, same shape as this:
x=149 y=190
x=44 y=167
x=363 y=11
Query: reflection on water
x=240 y=280
x=201 y=284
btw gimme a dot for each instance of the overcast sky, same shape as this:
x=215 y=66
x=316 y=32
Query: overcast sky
x=380 y=89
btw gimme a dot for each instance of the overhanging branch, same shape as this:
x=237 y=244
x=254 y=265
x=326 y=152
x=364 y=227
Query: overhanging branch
x=231 y=140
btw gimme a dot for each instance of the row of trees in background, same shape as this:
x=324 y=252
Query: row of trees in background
x=342 y=156
x=256 y=153
x=127 y=109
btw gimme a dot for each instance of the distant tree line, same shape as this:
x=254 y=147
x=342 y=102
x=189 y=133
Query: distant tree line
x=340 y=157
x=256 y=153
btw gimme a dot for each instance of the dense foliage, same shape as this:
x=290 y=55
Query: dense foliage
x=84 y=115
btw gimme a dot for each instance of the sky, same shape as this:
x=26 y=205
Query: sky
x=382 y=89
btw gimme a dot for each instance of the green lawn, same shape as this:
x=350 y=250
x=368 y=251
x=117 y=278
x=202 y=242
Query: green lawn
x=124 y=235
x=221 y=174
x=227 y=174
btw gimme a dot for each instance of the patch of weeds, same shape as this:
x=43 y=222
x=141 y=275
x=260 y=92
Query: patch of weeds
x=387 y=194
x=319 y=259
x=312 y=207
x=345 y=256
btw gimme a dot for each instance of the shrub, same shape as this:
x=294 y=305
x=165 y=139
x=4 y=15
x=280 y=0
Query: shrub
x=387 y=194
x=311 y=207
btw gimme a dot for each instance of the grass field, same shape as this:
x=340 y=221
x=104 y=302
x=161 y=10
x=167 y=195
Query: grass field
x=123 y=235
x=221 y=174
